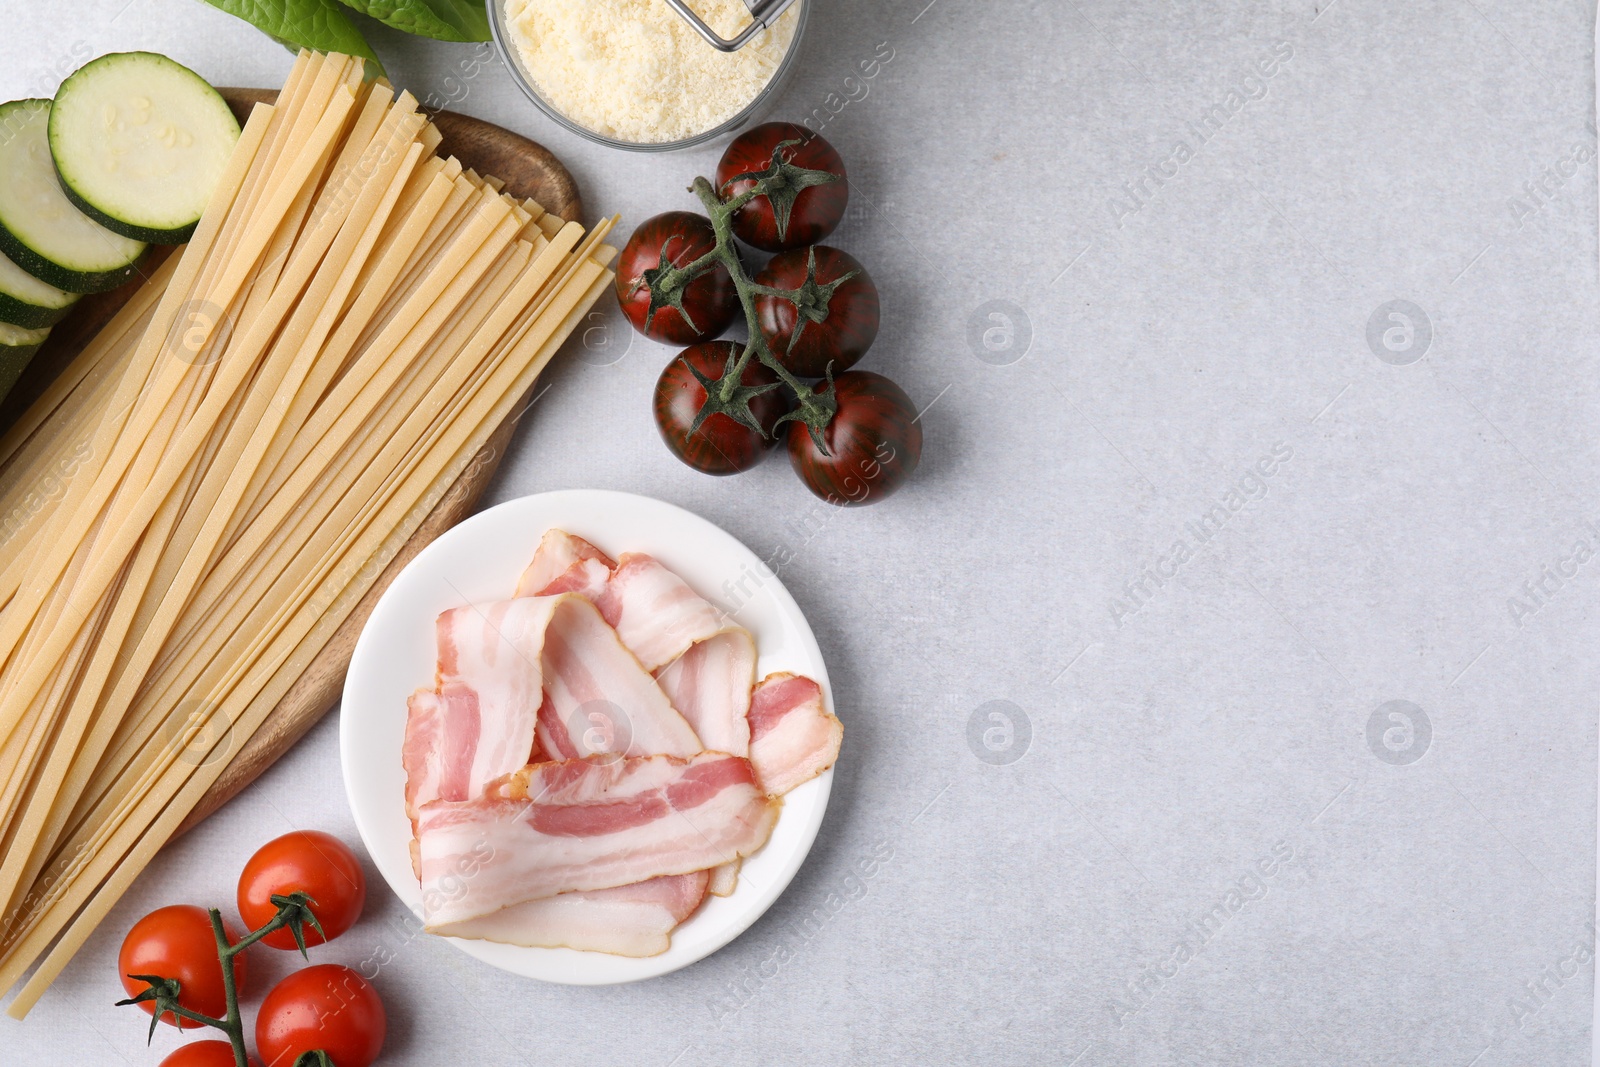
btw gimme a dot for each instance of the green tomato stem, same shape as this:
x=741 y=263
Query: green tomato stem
x=196 y=1017
x=234 y=1026
x=721 y=214
x=276 y=923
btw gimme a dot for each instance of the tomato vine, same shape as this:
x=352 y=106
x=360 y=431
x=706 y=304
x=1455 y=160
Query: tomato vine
x=294 y=912
x=781 y=183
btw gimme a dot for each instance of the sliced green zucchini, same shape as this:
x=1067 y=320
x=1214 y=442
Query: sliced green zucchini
x=39 y=228
x=17 y=346
x=28 y=302
x=139 y=142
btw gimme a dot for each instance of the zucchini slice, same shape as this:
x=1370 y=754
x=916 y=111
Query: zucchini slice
x=28 y=302
x=39 y=228
x=139 y=142
x=17 y=346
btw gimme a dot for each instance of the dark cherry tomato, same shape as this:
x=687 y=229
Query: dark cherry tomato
x=177 y=942
x=874 y=442
x=838 y=321
x=791 y=215
x=721 y=445
x=205 y=1054
x=310 y=862
x=699 y=311
x=325 y=1007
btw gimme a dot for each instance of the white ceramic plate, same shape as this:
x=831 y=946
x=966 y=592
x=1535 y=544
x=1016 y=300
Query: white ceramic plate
x=479 y=561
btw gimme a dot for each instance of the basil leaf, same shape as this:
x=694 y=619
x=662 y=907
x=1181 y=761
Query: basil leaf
x=443 y=20
x=320 y=25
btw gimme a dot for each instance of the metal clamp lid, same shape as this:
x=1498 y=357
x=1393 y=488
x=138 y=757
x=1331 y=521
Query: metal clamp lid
x=763 y=13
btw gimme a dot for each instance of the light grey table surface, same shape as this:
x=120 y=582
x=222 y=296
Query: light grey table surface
x=1201 y=833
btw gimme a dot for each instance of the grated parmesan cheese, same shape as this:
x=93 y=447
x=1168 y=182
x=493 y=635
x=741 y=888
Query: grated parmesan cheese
x=633 y=70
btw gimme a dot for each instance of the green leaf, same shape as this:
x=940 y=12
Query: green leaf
x=443 y=20
x=320 y=25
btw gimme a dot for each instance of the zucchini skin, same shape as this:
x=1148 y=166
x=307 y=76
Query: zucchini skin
x=150 y=236
x=73 y=281
x=30 y=316
x=70 y=88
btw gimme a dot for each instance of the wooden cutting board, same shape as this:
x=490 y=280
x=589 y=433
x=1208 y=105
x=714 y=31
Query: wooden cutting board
x=529 y=170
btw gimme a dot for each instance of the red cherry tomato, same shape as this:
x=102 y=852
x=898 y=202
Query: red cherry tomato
x=177 y=942
x=789 y=216
x=721 y=445
x=838 y=321
x=701 y=310
x=310 y=862
x=325 y=1007
x=205 y=1054
x=874 y=442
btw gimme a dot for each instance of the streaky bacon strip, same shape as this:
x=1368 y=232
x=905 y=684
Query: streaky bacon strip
x=587 y=824
x=724 y=880
x=422 y=752
x=478 y=725
x=709 y=683
x=705 y=663
x=598 y=699
x=793 y=738
x=566 y=564
x=630 y=920
x=710 y=686
x=705 y=666
x=655 y=612
x=514 y=678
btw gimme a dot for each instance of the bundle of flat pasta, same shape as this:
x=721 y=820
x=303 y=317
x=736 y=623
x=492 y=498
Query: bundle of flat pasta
x=191 y=510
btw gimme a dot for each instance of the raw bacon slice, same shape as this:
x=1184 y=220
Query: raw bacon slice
x=598 y=699
x=587 y=824
x=710 y=686
x=629 y=920
x=792 y=737
x=479 y=724
x=705 y=663
x=497 y=663
x=655 y=612
x=724 y=880
x=709 y=683
x=566 y=564
x=423 y=750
